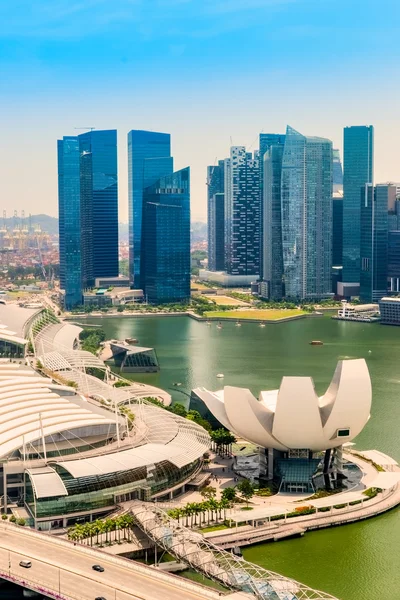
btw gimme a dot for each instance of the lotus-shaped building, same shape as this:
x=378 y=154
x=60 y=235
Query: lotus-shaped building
x=294 y=417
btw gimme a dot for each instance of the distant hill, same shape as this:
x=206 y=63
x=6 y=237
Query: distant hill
x=47 y=224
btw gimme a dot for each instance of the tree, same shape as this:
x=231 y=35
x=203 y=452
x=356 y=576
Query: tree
x=208 y=492
x=246 y=490
x=229 y=494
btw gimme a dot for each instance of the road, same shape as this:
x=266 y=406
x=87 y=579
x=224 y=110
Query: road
x=65 y=570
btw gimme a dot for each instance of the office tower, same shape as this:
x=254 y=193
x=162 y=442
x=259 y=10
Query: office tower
x=149 y=159
x=272 y=229
x=99 y=203
x=306 y=205
x=242 y=213
x=69 y=220
x=393 y=269
x=266 y=140
x=374 y=204
x=216 y=229
x=358 y=170
x=165 y=272
x=337 y=230
x=215 y=217
x=88 y=210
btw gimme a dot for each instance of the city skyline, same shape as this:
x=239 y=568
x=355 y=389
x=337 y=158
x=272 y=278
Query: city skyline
x=159 y=66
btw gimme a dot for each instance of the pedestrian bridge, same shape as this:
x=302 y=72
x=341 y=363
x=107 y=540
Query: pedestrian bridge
x=202 y=555
x=63 y=571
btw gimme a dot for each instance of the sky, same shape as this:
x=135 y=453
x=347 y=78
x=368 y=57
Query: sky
x=213 y=73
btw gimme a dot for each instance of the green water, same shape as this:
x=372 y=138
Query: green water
x=354 y=562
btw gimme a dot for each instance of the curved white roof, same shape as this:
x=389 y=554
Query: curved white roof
x=63 y=360
x=30 y=408
x=293 y=416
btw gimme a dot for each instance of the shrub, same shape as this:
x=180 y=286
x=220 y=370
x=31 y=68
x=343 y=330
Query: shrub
x=13 y=519
x=277 y=517
x=324 y=509
x=355 y=502
x=4 y=517
x=339 y=506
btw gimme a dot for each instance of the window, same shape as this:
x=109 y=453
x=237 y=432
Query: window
x=343 y=432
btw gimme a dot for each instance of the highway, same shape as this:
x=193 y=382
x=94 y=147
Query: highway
x=63 y=570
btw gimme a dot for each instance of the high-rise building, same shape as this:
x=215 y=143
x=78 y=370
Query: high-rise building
x=216 y=219
x=88 y=209
x=242 y=213
x=99 y=201
x=69 y=220
x=149 y=159
x=358 y=171
x=266 y=140
x=374 y=204
x=165 y=259
x=272 y=229
x=216 y=228
x=306 y=205
x=337 y=173
x=393 y=270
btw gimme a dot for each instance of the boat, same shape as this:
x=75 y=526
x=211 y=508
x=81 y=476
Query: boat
x=238 y=324
x=177 y=383
x=316 y=343
x=262 y=324
x=132 y=340
x=219 y=326
x=208 y=322
x=220 y=375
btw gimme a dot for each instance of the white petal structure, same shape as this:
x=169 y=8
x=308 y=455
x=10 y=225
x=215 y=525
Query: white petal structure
x=293 y=416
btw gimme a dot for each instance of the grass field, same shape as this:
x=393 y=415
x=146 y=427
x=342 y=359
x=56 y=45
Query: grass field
x=261 y=315
x=225 y=300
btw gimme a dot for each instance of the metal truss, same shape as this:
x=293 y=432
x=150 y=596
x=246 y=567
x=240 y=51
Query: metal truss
x=205 y=557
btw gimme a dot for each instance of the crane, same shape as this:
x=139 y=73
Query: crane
x=209 y=178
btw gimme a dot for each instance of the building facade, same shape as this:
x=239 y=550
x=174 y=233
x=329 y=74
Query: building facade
x=306 y=205
x=374 y=242
x=242 y=213
x=149 y=159
x=69 y=214
x=390 y=311
x=358 y=171
x=393 y=270
x=165 y=260
x=272 y=226
x=216 y=217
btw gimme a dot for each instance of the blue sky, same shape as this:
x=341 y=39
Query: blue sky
x=206 y=71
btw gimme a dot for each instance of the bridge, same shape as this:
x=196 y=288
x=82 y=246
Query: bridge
x=202 y=555
x=63 y=571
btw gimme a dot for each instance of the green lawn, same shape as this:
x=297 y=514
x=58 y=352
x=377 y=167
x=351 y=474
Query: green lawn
x=213 y=528
x=262 y=315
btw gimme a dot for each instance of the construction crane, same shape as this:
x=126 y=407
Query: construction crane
x=209 y=178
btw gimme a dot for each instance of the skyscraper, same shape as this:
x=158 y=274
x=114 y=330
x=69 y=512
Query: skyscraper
x=215 y=217
x=358 y=170
x=266 y=140
x=272 y=236
x=69 y=220
x=374 y=205
x=88 y=209
x=216 y=229
x=337 y=173
x=149 y=159
x=306 y=205
x=99 y=200
x=166 y=239
x=242 y=213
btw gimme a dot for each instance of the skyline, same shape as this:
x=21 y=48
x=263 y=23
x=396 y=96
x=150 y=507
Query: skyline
x=202 y=73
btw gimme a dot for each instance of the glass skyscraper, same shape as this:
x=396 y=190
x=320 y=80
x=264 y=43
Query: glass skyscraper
x=99 y=201
x=374 y=203
x=69 y=220
x=166 y=239
x=272 y=236
x=306 y=205
x=215 y=217
x=242 y=213
x=149 y=159
x=88 y=211
x=358 y=171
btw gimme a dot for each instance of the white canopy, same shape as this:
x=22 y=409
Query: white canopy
x=386 y=480
x=46 y=483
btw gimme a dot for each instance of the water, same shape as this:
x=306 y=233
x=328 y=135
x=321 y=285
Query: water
x=354 y=562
